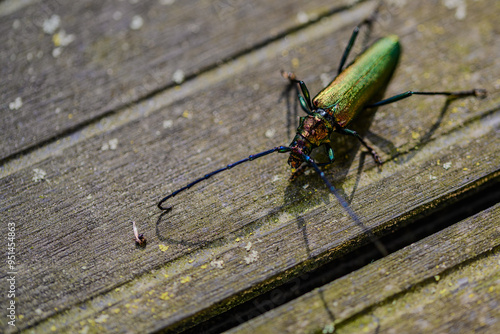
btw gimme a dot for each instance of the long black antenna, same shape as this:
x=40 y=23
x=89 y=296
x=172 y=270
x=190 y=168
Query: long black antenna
x=279 y=149
x=307 y=159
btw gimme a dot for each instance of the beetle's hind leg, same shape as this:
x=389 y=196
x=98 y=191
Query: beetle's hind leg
x=362 y=141
x=368 y=22
x=478 y=92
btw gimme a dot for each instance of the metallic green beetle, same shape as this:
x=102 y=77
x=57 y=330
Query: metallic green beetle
x=343 y=99
x=335 y=107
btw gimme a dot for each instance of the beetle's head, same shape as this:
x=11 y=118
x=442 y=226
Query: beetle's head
x=295 y=159
x=299 y=147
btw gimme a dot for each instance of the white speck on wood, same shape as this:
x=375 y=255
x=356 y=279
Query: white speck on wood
x=50 y=25
x=18 y=103
x=136 y=23
x=217 y=264
x=252 y=257
x=39 y=175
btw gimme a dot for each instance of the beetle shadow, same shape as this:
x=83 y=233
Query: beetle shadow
x=301 y=225
x=403 y=157
x=362 y=125
x=292 y=107
x=391 y=150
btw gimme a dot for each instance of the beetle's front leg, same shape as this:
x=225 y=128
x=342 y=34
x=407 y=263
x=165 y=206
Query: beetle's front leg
x=299 y=171
x=305 y=102
x=370 y=149
x=331 y=156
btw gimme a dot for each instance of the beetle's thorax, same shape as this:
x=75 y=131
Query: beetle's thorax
x=313 y=131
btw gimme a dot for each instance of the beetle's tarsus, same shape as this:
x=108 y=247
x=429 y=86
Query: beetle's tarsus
x=480 y=93
x=376 y=157
x=288 y=75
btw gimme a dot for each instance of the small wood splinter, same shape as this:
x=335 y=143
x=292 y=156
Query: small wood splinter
x=140 y=239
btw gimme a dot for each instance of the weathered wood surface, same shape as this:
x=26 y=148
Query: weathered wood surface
x=106 y=54
x=455 y=270
x=78 y=266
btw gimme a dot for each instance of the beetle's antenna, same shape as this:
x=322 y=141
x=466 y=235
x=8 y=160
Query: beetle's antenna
x=345 y=205
x=279 y=149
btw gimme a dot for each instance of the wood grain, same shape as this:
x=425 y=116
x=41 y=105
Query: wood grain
x=105 y=55
x=79 y=268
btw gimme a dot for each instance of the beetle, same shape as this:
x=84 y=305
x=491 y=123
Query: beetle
x=333 y=109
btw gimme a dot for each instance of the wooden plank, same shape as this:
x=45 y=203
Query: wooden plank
x=68 y=64
x=445 y=283
x=74 y=226
x=190 y=285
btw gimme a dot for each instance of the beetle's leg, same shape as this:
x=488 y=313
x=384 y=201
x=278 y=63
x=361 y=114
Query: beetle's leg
x=279 y=149
x=479 y=93
x=303 y=167
x=331 y=156
x=370 y=149
x=344 y=204
x=305 y=102
x=289 y=76
x=349 y=46
x=299 y=171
